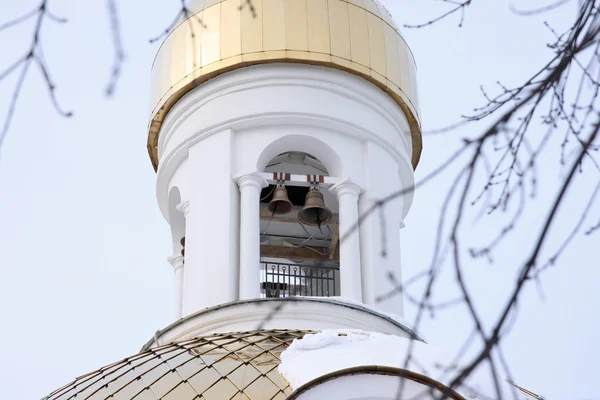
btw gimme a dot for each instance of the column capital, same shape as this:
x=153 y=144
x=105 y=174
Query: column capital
x=184 y=207
x=176 y=261
x=346 y=186
x=252 y=179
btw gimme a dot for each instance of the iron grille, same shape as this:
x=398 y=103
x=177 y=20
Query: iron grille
x=286 y=280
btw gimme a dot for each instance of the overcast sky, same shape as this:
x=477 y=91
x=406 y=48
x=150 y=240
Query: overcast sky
x=84 y=277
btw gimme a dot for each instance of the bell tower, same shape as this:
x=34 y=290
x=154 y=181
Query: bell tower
x=271 y=134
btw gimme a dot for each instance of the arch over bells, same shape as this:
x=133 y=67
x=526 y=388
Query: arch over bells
x=302 y=143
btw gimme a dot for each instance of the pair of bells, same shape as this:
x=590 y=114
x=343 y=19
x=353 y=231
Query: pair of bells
x=314 y=212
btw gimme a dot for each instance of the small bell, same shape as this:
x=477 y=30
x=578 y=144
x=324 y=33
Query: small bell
x=280 y=204
x=182 y=242
x=314 y=212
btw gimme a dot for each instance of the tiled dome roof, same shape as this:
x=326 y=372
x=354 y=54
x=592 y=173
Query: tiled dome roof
x=228 y=366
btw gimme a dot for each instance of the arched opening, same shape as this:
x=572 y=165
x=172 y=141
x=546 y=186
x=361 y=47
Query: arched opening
x=177 y=222
x=298 y=258
x=310 y=146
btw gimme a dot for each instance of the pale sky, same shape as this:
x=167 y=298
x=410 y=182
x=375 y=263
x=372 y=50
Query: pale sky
x=83 y=247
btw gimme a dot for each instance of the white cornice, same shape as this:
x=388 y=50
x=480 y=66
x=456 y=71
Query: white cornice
x=306 y=313
x=346 y=185
x=382 y=110
x=176 y=261
x=168 y=165
x=251 y=179
x=261 y=76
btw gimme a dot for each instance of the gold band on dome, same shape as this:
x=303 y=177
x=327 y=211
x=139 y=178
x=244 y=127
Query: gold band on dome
x=356 y=36
x=424 y=380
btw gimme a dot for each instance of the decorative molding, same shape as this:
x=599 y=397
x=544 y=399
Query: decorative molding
x=261 y=76
x=334 y=383
x=184 y=207
x=370 y=101
x=176 y=261
x=251 y=179
x=347 y=85
x=346 y=186
x=173 y=160
x=310 y=313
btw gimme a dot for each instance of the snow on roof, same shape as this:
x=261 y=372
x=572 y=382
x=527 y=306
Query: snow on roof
x=347 y=300
x=333 y=350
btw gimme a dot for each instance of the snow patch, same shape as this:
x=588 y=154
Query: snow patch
x=347 y=300
x=332 y=350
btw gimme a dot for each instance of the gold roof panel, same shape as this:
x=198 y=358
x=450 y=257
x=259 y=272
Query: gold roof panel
x=228 y=366
x=356 y=36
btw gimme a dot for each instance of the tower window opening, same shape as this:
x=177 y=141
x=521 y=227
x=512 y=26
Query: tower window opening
x=299 y=256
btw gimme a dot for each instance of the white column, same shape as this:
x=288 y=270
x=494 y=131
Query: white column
x=177 y=263
x=184 y=207
x=367 y=236
x=250 y=187
x=380 y=230
x=347 y=194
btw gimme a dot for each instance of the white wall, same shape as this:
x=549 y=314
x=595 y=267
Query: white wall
x=211 y=243
x=380 y=254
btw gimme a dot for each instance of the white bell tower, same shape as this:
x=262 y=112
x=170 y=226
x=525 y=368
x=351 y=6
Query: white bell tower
x=312 y=110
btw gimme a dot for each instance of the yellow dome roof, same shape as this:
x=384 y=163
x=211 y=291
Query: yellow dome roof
x=233 y=366
x=356 y=36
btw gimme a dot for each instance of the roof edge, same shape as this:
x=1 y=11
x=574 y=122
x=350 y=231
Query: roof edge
x=323 y=300
x=377 y=370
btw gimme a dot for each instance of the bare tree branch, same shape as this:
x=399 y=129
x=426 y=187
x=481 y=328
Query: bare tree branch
x=539 y=10
x=33 y=54
x=119 y=56
x=459 y=7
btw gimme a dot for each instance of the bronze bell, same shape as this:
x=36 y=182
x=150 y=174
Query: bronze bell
x=280 y=203
x=314 y=212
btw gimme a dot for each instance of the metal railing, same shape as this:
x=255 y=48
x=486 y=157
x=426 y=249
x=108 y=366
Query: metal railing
x=286 y=280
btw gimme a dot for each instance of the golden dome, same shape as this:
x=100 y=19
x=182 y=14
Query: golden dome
x=234 y=366
x=356 y=36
